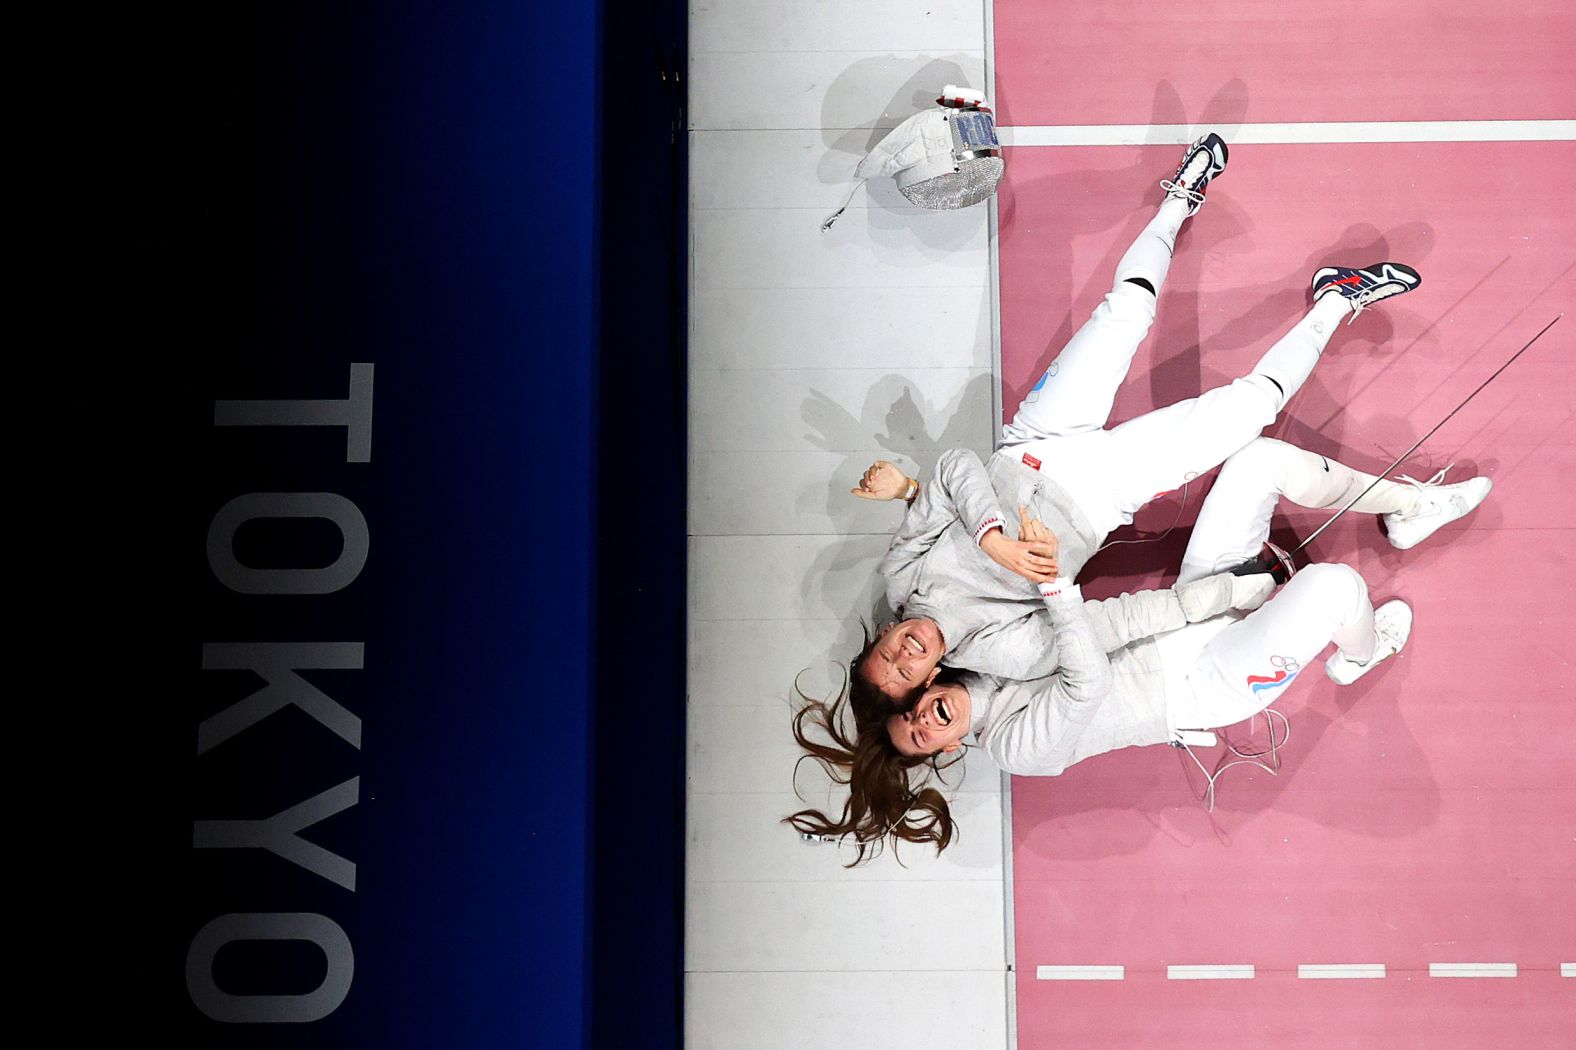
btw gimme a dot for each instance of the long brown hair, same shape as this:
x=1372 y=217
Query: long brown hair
x=883 y=800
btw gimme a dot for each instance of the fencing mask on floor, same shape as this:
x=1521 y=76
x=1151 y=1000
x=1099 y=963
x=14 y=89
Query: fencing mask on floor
x=941 y=159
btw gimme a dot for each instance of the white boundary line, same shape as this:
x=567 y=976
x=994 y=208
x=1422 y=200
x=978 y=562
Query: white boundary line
x=1080 y=973
x=1355 y=131
x=993 y=289
x=1305 y=971
x=1209 y=973
x=1471 y=969
x=1340 y=971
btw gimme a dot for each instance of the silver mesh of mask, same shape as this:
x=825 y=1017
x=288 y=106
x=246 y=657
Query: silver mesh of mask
x=974 y=181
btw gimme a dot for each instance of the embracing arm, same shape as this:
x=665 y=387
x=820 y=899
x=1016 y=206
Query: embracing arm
x=1128 y=617
x=1042 y=737
x=1031 y=646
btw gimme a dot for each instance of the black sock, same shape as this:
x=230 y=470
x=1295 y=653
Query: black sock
x=1145 y=285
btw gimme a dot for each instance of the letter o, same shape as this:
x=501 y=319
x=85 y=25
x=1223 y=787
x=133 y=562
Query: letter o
x=330 y=506
x=269 y=926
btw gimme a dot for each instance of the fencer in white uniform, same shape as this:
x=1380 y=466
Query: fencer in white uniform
x=1206 y=675
x=953 y=572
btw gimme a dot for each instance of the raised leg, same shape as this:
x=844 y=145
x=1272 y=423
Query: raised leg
x=1075 y=394
x=1079 y=387
x=1113 y=473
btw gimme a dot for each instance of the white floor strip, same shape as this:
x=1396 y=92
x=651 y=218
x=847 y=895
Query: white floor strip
x=1388 y=131
x=1471 y=969
x=1209 y=973
x=1340 y=971
x=1080 y=973
x=1568 y=969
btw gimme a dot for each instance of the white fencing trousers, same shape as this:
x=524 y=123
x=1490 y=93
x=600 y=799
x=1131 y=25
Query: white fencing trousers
x=1234 y=521
x=1078 y=389
x=1076 y=392
x=1109 y=474
x=1245 y=665
x=1225 y=669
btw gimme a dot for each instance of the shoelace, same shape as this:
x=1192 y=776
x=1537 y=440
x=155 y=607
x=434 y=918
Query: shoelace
x=1423 y=486
x=1368 y=296
x=1388 y=639
x=1176 y=189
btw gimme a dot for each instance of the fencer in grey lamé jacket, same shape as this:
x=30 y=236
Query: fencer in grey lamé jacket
x=993 y=620
x=1108 y=693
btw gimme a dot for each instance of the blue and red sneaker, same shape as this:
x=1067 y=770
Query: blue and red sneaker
x=1362 y=287
x=1203 y=160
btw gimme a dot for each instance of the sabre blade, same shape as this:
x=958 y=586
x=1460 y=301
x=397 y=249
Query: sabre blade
x=1418 y=443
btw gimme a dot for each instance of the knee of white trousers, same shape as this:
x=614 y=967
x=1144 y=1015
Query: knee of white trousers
x=1141 y=271
x=1130 y=302
x=1244 y=406
x=1276 y=386
x=1261 y=463
x=1340 y=591
x=1261 y=469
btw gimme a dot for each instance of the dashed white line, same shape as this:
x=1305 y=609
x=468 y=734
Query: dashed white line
x=1080 y=973
x=1305 y=971
x=1209 y=973
x=1299 y=133
x=1471 y=969
x=1340 y=971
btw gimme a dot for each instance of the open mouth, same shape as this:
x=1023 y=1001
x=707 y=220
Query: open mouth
x=942 y=714
x=915 y=646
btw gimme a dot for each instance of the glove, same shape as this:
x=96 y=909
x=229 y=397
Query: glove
x=1213 y=595
x=1250 y=592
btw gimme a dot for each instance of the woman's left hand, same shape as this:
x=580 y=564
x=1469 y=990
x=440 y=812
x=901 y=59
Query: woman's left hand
x=1032 y=556
x=1033 y=530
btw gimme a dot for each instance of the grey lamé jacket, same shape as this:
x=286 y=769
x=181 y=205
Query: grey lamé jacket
x=992 y=619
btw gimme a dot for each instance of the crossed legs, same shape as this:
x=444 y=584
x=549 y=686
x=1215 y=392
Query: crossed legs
x=1247 y=664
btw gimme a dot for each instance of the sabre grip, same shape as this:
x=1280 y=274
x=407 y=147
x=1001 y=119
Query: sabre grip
x=1272 y=560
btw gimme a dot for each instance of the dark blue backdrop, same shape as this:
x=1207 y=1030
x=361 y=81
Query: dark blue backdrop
x=306 y=186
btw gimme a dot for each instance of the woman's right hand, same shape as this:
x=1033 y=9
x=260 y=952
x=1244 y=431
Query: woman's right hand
x=883 y=480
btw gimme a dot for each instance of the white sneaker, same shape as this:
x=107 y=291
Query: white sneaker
x=1393 y=625
x=1437 y=505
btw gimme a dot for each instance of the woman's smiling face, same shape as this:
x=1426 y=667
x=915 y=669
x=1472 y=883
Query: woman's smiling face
x=938 y=723
x=904 y=658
